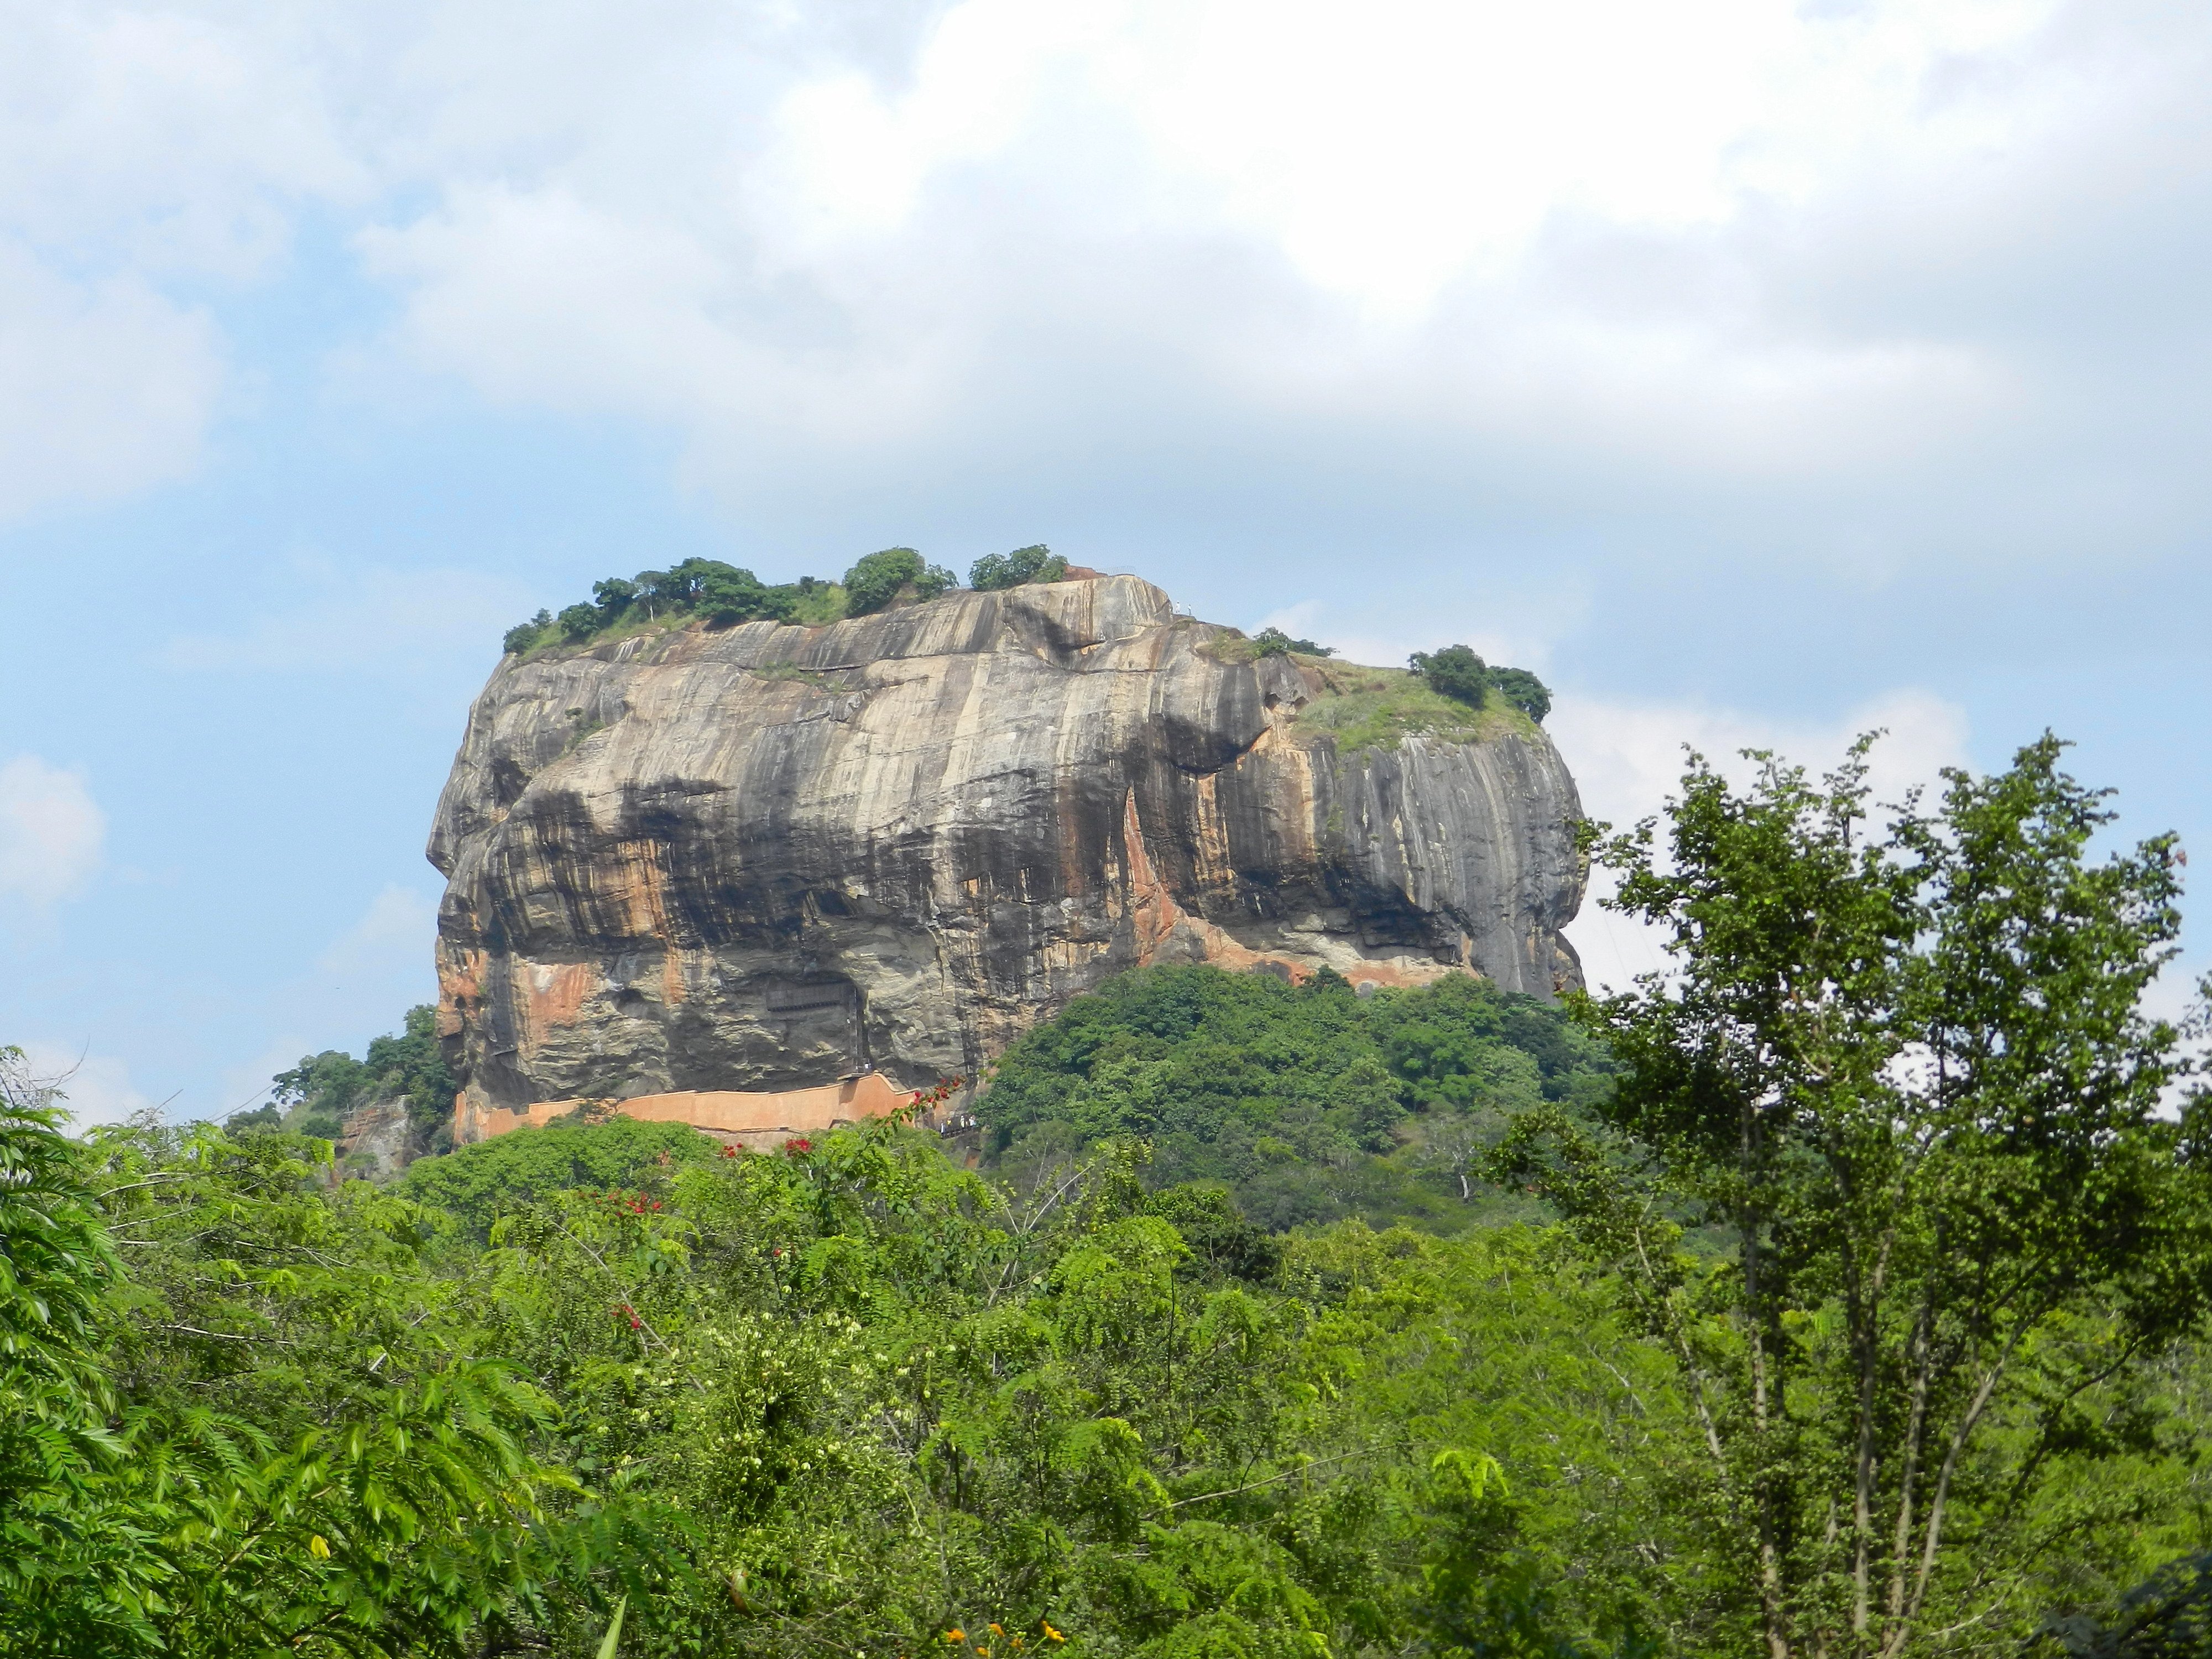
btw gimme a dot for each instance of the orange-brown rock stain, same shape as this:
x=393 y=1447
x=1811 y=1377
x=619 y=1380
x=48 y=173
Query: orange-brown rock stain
x=554 y=994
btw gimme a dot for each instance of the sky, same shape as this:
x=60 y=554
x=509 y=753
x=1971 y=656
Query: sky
x=1757 y=373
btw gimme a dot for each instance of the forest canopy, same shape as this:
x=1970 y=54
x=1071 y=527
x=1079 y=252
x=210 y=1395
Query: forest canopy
x=1310 y=1102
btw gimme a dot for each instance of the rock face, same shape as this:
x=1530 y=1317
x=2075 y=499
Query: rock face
x=763 y=857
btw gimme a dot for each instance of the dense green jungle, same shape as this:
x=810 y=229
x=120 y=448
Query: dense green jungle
x=1844 y=1292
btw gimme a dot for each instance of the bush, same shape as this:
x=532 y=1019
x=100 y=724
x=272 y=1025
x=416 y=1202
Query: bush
x=879 y=578
x=1455 y=671
x=1273 y=643
x=478 y=1183
x=579 y=621
x=728 y=595
x=1523 y=690
x=1024 y=564
x=613 y=597
x=523 y=636
x=323 y=1088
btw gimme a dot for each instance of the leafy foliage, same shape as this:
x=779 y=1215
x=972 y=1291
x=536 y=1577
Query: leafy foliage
x=1884 y=1164
x=2169 y=1617
x=523 y=635
x=724 y=594
x=1023 y=565
x=1905 y=1084
x=879 y=578
x=1457 y=672
x=1310 y=1103
x=479 y=1184
x=314 y=1096
x=1273 y=643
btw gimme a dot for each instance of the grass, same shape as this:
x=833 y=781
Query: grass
x=792 y=671
x=1379 y=708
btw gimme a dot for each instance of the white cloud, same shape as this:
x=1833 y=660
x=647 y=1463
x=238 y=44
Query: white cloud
x=143 y=150
x=1611 y=251
x=1628 y=759
x=1572 y=228
x=51 y=830
x=93 y=1088
x=105 y=385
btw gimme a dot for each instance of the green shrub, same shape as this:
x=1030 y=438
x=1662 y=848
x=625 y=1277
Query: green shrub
x=879 y=578
x=1379 y=708
x=1523 y=690
x=479 y=1183
x=1024 y=564
x=1455 y=671
x=324 y=1087
x=728 y=595
x=1273 y=643
x=523 y=636
x=1307 y=1103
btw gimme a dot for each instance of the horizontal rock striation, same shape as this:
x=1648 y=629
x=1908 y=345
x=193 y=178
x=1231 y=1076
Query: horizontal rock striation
x=764 y=857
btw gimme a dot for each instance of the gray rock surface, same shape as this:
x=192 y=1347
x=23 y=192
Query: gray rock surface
x=763 y=856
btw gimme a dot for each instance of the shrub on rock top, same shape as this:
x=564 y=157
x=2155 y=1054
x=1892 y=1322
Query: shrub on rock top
x=1024 y=564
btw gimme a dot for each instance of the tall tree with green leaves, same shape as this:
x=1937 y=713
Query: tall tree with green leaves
x=1901 y=1089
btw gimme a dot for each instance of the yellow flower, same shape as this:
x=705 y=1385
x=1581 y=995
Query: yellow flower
x=318 y=1546
x=997 y=1631
x=1050 y=1634
x=955 y=1636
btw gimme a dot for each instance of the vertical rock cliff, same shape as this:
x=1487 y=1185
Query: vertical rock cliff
x=762 y=857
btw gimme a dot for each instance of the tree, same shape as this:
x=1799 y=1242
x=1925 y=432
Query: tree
x=613 y=597
x=520 y=637
x=728 y=595
x=413 y=1064
x=1455 y=671
x=1024 y=564
x=1904 y=1089
x=1523 y=690
x=80 y=1572
x=579 y=621
x=332 y=1082
x=1273 y=643
x=877 y=580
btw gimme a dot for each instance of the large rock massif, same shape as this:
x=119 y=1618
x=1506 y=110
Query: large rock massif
x=763 y=857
